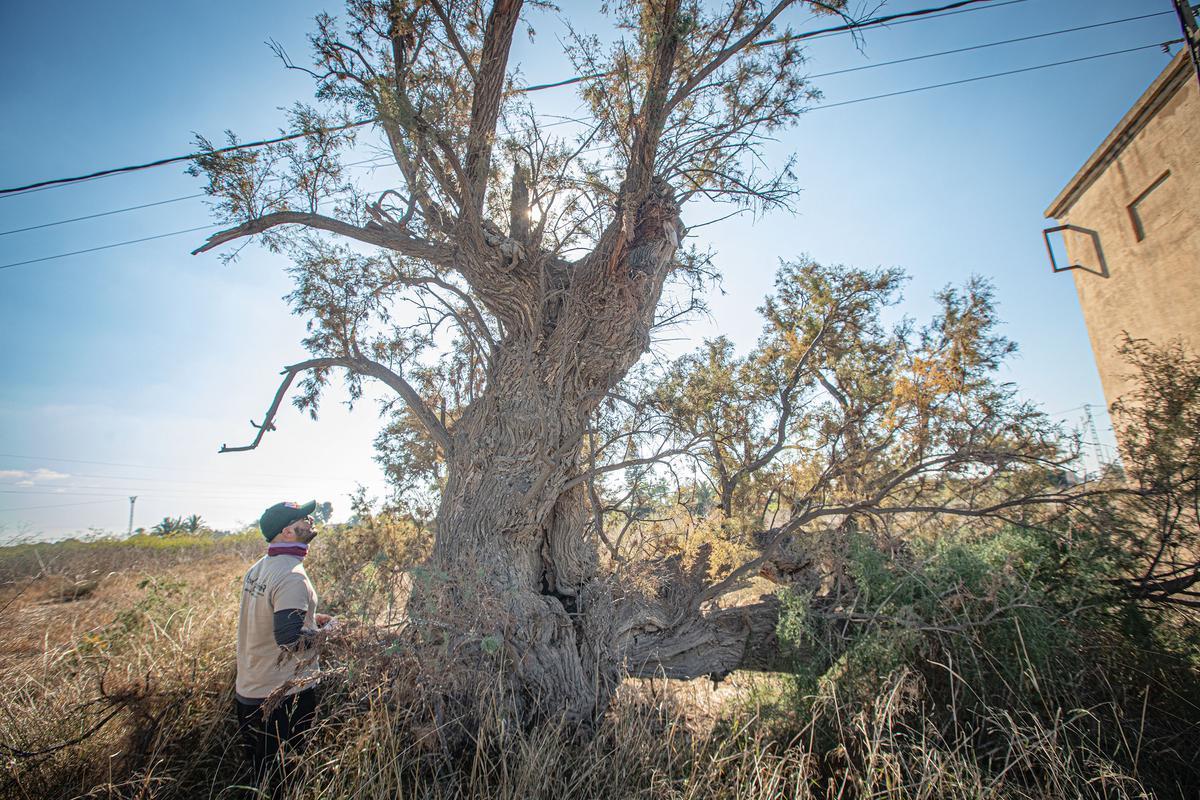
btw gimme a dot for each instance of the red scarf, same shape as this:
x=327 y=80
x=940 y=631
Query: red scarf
x=297 y=549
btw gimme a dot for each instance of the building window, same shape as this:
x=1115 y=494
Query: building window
x=1147 y=209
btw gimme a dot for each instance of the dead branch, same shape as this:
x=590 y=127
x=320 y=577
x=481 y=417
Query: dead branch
x=362 y=366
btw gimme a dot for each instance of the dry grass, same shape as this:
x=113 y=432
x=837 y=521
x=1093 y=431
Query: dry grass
x=123 y=690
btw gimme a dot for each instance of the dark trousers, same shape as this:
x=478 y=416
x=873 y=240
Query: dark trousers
x=266 y=742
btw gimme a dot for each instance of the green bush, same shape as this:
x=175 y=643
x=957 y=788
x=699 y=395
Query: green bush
x=992 y=635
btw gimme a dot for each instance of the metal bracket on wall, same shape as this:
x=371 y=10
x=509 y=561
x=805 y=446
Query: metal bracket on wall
x=1095 y=237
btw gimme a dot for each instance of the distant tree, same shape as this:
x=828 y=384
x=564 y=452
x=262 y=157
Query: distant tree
x=193 y=524
x=323 y=512
x=168 y=525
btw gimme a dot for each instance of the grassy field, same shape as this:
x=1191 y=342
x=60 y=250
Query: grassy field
x=116 y=673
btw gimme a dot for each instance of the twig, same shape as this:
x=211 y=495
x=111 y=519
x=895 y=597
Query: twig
x=18 y=753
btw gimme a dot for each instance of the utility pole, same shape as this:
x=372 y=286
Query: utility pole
x=132 y=500
x=1191 y=35
x=1096 y=448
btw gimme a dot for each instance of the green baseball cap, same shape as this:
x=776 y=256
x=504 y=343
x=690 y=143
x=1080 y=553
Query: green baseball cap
x=280 y=515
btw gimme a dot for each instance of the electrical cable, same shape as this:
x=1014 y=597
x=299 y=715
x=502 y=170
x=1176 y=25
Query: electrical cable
x=985 y=46
x=375 y=161
x=102 y=214
x=869 y=23
x=61 y=505
x=564 y=121
x=815 y=108
x=994 y=75
x=162 y=162
x=107 y=246
x=902 y=18
x=159 y=468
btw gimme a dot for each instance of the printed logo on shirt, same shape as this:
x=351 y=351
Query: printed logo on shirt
x=256 y=588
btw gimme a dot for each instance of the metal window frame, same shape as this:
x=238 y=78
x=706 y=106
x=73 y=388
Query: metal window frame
x=1102 y=272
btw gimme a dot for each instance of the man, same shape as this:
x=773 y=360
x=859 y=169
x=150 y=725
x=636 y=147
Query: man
x=275 y=645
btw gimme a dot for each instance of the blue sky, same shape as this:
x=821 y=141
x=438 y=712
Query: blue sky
x=126 y=368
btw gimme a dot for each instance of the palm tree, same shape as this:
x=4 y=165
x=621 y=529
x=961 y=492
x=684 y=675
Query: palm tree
x=168 y=526
x=193 y=524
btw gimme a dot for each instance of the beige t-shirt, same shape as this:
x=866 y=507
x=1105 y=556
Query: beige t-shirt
x=274 y=583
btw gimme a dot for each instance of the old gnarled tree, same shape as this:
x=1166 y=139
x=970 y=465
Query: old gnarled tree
x=537 y=265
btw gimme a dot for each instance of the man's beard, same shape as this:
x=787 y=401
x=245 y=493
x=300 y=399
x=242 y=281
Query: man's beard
x=306 y=537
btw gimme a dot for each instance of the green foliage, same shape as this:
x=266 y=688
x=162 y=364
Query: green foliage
x=988 y=629
x=168 y=526
x=1153 y=513
x=363 y=569
x=989 y=607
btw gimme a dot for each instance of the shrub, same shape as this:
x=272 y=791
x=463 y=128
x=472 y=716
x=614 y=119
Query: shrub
x=986 y=640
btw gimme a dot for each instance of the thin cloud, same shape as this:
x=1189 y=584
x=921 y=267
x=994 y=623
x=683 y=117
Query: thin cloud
x=26 y=477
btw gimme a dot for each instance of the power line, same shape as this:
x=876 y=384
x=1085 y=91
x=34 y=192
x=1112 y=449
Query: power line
x=899 y=93
x=568 y=120
x=162 y=162
x=156 y=467
x=107 y=246
x=985 y=46
x=818 y=34
x=902 y=18
x=995 y=75
x=102 y=214
x=868 y=23
x=383 y=160
x=58 y=505
x=375 y=161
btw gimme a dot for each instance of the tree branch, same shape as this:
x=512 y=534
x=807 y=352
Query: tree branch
x=633 y=462
x=432 y=424
x=729 y=52
x=485 y=105
x=453 y=38
x=363 y=366
x=785 y=410
x=377 y=235
x=268 y=423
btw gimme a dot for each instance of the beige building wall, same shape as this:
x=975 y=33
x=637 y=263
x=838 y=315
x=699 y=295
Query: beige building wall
x=1137 y=201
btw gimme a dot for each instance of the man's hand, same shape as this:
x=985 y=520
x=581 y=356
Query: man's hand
x=323 y=620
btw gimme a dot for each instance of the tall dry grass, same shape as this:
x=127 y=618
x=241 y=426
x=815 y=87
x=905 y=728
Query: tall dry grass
x=125 y=692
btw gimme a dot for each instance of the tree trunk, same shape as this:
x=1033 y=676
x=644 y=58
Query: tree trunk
x=513 y=542
x=523 y=574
